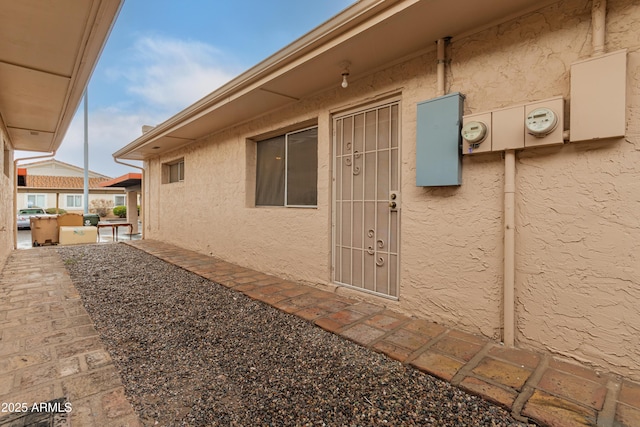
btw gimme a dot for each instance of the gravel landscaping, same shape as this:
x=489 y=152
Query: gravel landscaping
x=194 y=353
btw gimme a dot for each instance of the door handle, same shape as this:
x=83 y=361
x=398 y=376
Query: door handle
x=394 y=199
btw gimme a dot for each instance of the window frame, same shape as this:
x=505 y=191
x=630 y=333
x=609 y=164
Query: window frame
x=73 y=206
x=36 y=195
x=115 y=199
x=286 y=136
x=166 y=171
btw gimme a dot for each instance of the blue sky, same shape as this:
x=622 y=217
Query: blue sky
x=163 y=55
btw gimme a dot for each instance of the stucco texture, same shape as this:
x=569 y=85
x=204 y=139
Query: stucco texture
x=577 y=205
x=6 y=198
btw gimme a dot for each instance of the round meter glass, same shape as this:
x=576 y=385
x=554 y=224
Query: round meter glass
x=474 y=132
x=541 y=122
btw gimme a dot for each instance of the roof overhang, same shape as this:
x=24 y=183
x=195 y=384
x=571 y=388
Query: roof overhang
x=127 y=180
x=370 y=35
x=48 y=50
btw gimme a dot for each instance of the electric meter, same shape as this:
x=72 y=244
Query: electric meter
x=541 y=122
x=474 y=132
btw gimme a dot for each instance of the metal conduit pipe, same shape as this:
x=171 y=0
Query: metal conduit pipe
x=440 y=83
x=598 y=26
x=509 y=248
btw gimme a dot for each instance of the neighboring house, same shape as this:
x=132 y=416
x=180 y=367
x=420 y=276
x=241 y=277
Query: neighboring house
x=47 y=53
x=534 y=240
x=55 y=184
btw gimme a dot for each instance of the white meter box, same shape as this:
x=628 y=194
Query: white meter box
x=544 y=122
x=598 y=97
x=517 y=127
x=476 y=133
x=508 y=128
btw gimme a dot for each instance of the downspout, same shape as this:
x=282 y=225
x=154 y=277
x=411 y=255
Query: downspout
x=15 y=191
x=143 y=183
x=441 y=60
x=598 y=24
x=509 y=248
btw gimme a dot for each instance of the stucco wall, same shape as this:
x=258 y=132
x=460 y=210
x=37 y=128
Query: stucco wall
x=50 y=198
x=208 y=211
x=578 y=205
x=7 y=214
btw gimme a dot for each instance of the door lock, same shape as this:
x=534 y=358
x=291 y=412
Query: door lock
x=394 y=200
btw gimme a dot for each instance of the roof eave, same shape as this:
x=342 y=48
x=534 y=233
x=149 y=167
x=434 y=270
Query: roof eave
x=87 y=61
x=350 y=17
x=327 y=45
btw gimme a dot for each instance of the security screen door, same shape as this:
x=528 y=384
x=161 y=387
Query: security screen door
x=366 y=221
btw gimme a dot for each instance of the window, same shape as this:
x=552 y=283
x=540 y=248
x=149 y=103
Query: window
x=36 y=200
x=119 y=200
x=74 y=201
x=176 y=171
x=287 y=170
x=173 y=171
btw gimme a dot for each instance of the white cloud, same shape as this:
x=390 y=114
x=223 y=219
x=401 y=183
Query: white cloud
x=171 y=74
x=109 y=130
x=160 y=77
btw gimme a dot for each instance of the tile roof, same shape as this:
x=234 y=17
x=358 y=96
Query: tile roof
x=41 y=181
x=127 y=180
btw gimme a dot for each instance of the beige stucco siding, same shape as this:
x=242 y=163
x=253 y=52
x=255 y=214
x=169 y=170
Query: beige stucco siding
x=7 y=214
x=211 y=213
x=577 y=206
x=50 y=198
x=578 y=252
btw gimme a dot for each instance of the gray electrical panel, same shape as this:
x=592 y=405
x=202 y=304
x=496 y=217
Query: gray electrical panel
x=438 y=155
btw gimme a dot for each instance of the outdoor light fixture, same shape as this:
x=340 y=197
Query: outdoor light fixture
x=345 y=73
x=345 y=83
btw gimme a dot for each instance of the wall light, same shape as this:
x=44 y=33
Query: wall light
x=345 y=83
x=345 y=73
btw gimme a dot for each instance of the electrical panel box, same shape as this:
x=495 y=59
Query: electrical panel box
x=598 y=97
x=508 y=128
x=544 y=122
x=438 y=141
x=476 y=133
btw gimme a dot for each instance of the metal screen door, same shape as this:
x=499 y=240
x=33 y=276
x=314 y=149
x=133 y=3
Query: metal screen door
x=366 y=206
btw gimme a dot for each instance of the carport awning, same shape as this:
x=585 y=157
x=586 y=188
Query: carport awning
x=128 y=180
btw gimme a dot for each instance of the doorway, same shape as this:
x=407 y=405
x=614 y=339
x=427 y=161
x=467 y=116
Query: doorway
x=366 y=206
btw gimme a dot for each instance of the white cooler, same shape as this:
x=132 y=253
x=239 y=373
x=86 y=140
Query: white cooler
x=71 y=235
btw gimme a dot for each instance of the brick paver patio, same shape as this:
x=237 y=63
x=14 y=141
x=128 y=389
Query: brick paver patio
x=50 y=350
